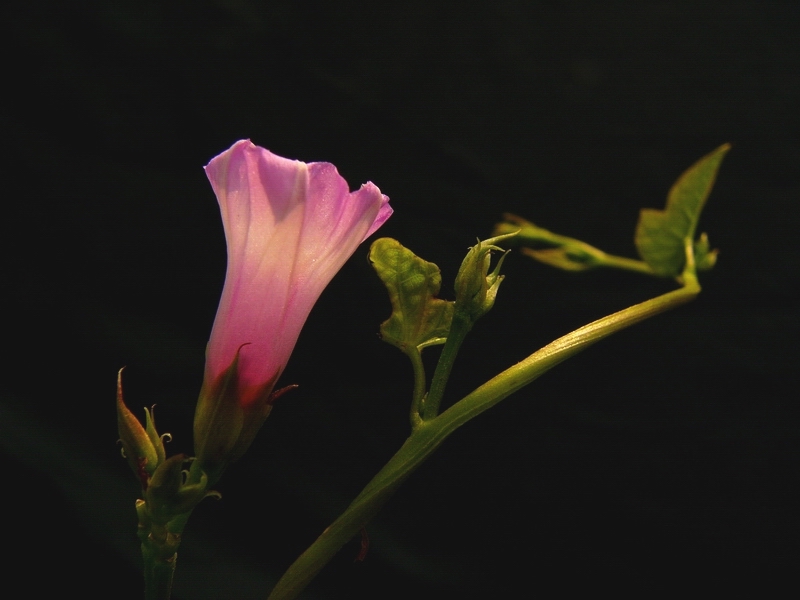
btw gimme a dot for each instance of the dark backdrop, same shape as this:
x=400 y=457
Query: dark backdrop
x=664 y=455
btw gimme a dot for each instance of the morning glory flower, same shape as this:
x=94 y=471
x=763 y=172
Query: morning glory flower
x=290 y=226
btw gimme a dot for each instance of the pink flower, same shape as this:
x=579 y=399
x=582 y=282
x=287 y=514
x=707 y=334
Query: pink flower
x=290 y=226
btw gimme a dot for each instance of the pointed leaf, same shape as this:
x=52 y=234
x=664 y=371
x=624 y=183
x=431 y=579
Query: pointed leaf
x=419 y=318
x=661 y=234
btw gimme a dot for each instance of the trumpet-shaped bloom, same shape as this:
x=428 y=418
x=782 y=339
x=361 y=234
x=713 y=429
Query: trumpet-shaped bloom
x=290 y=226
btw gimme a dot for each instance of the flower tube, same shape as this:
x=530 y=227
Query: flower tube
x=289 y=226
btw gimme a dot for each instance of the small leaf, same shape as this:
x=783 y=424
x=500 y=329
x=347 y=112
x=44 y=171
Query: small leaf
x=661 y=235
x=418 y=319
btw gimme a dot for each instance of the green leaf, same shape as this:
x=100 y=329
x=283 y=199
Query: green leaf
x=418 y=319
x=661 y=235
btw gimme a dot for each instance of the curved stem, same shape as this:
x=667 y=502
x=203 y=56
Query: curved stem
x=541 y=361
x=429 y=435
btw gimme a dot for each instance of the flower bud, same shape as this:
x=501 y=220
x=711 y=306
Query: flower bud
x=476 y=288
x=141 y=446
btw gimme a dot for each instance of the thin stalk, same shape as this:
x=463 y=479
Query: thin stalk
x=459 y=329
x=627 y=264
x=419 y=386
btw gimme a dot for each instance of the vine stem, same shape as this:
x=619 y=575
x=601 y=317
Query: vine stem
x=430 y=434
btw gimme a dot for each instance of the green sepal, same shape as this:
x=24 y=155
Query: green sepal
x=419 y=319
x=476 y=288
x=223 y=428
x=170 y=493
x=661 y=235
x=142 y=454
x=156 y=439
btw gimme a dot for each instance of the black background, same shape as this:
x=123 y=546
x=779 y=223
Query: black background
x=665 y=456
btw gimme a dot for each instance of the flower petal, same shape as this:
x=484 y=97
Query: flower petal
x=290 y=226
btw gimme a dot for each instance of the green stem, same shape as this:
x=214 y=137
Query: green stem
x=357 y=515
x=541 y=361
x=430 y=434
x=159 y=551
x=158 y=574
x=160 y=542
x=459 y=329
x=627 y=264
x=419 y=386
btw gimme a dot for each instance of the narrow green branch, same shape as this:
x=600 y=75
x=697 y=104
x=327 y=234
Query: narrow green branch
x=626 y=264
x=459 y=329
x=419 y=386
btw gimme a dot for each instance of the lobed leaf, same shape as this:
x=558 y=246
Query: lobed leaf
x=661 y=235
x=418 y=318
